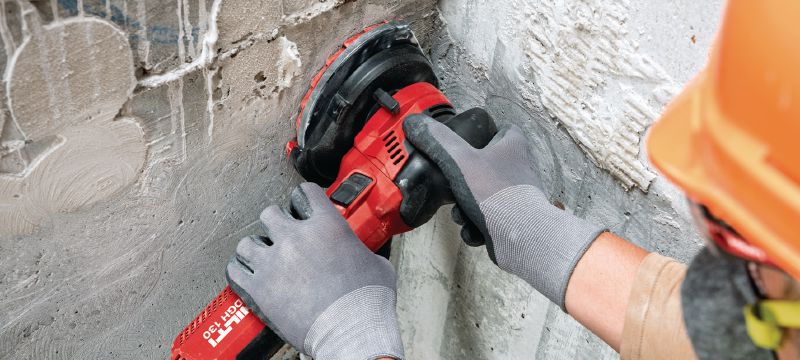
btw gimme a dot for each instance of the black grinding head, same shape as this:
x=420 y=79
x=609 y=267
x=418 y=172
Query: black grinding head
x=387 y=57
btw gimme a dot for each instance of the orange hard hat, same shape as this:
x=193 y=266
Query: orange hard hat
x=730 y=140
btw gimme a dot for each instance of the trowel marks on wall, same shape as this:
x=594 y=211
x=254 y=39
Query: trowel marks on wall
x=589 y=75
x=62 y=147
x=581 y=62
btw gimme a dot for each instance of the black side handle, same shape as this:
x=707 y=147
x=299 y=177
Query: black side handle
x=422 y=184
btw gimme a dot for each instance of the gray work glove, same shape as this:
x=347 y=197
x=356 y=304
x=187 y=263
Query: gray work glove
x=315 y=284
x=499 y=204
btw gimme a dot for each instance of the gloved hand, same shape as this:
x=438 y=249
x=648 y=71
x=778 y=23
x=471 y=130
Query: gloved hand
x=496 y=190
x=315 y=284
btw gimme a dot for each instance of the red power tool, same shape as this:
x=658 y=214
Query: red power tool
x=350 y=139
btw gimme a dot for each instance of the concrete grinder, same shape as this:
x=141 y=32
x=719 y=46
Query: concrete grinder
x=350 y=140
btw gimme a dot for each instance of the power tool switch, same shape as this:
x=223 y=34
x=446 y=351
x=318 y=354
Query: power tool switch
x=350 y=188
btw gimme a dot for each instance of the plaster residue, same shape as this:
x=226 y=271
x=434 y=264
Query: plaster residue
x=207 y=52
x=297 y=16
x=288 y=66
x=61 y=147
x=166 y=146
x=209 y=75
x=5 y=32
x=261 y=73
x=583 y=63
x=271 y=26
x=143 y=47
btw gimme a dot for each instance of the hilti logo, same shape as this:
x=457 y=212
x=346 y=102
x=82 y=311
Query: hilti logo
x=232 y=316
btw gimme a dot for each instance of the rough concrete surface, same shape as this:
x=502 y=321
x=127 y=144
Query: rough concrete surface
x=140 y=139
x=583 y=79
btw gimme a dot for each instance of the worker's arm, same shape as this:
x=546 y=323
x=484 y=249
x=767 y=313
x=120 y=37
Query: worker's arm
x=500 y=204
x=315 y=284
x=586 y=271
x=598 y=291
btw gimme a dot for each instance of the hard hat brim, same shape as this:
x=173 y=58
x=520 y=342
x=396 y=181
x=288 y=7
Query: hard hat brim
x=684 y=149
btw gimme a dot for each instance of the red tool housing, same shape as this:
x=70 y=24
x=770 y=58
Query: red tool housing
x=226 y=329
x=379 y=153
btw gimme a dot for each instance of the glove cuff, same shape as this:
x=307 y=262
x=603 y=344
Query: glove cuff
x=535 y=240
x=360 y=325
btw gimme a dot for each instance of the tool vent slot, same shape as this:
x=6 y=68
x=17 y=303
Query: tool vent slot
x=189 y=330
x=393 y=147
x=394 y=154
x=440 y=112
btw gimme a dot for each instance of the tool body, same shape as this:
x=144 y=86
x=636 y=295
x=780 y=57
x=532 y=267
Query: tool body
x=350 y=139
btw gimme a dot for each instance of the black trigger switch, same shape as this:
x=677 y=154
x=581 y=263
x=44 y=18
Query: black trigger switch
x=386 y=101
x=350 y=188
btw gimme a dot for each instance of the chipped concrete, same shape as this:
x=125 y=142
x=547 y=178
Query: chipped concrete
x=195 y=61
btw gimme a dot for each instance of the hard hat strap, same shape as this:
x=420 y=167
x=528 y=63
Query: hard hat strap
x=724 y=237
x=766 y=321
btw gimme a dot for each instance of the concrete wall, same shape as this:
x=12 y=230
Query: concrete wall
x=139 y=140
x=583 y=79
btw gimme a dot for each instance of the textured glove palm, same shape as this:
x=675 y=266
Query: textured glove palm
x=315 y=284
x=496 y=190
